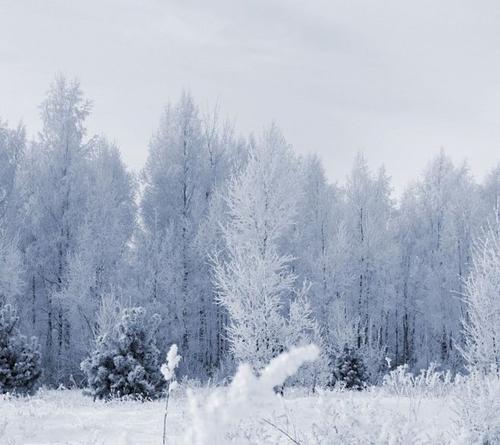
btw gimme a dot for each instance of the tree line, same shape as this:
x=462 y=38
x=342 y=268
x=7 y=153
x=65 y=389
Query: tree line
x=242 y=247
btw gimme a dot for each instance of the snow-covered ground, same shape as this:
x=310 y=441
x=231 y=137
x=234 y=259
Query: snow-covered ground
x=68 y=417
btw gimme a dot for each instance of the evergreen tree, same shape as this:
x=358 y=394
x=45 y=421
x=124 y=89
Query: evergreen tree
x=350 y=369
x=126 y=360
x=19 y=358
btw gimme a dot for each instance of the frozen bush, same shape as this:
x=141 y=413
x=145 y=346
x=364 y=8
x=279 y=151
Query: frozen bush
x=477 y=402
x=350 y=370
x=19 y=358
x=353 y=422
x=429 y=382
x=432 y=382
x=399 y=381
x=126 y=361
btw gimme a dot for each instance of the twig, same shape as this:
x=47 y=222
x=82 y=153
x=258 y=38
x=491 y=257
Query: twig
x=165 y=416
x=282 y=431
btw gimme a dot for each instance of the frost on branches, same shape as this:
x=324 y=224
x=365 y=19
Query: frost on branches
x=126 y=359
x=482 y=299
x=11 y=266
x=217 y=420
x=254 y=278
x=477 y=404
x=382 y=273
x=350 y=370
x=19 y=358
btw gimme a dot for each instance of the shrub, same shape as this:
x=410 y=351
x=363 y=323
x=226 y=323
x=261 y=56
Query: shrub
x=429 y=382
x=350 y=370
x=349 y=421
x=477 y=405
x=19 y=358
x=126 y=361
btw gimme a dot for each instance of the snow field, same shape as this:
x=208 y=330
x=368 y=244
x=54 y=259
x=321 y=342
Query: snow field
x=68 y=417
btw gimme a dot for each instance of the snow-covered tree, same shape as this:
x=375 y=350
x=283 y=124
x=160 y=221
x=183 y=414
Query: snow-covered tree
x=189 y=157
x=435 y=237
x=20 y=368
x=350 y=370
x=126 y=361
x=55 y=192
x=77 y=213
x=254 y=279
x=481 y=322
x=98 y=263
x=314 y=240
x=175 y=186
x=11 y=269
x=369 y=262
x=12 y=147
x=303 y=329
x=79 y=237
x=490 y=194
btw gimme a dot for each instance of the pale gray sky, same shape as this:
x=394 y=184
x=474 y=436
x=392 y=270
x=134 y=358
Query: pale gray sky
x=395 y=79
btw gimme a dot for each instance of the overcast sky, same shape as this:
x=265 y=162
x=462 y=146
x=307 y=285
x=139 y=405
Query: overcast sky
x=394 y=79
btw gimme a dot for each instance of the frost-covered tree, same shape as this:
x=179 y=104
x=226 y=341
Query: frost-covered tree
x=490 y=194
x=98 y=263
x=254 y=279
x=303 y=329
x=55 y=192
x=369 y=262
x=350 y=370
x=436 y=230
x=12 y=148
x=314 y=240
x=77 y=213
x=225 y=154
x=384 y=276
x=126 y=361
x=208 y=242
x=174 y=199
x=11 y=269
x=20 y=368
x=481 y=322
x=190 y=156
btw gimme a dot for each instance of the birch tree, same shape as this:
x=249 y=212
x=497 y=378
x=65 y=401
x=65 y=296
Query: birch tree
x=12 y=147
x=56 y=197
x=481 y=323
x=254 y=282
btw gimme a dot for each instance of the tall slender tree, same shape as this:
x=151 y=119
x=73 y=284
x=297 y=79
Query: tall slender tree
x=482 y=290
x=56 y=201
x=254 y=281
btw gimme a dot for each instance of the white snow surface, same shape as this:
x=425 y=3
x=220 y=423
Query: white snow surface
x=68 y=417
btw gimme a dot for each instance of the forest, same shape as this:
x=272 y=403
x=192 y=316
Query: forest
x=233 y=248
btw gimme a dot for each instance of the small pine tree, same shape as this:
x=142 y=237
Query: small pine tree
x=126 y=360
x=350 y=370
x=19 y=358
